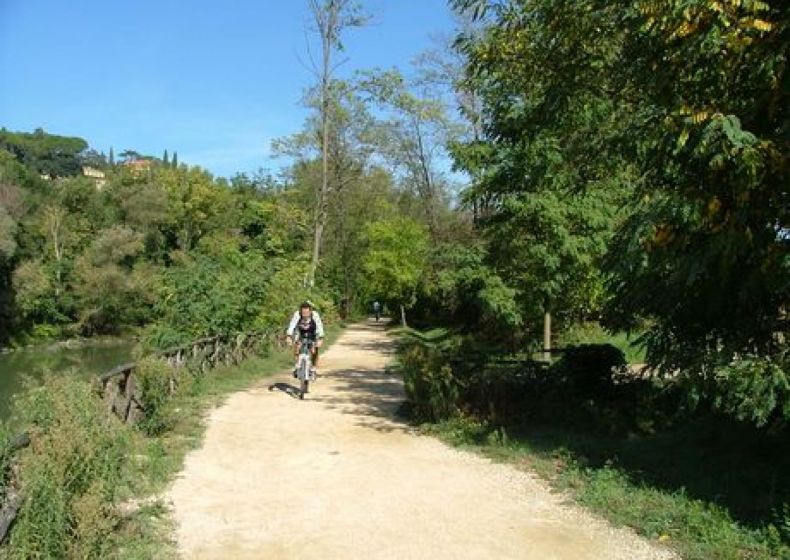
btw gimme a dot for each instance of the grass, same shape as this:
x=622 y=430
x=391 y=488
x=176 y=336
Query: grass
x=93 y=484
x=703 y=498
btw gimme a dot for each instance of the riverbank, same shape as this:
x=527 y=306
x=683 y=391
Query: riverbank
x=83 y=358
x=71 y=342
x=115 y=510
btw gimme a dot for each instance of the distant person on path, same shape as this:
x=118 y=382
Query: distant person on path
x=307 y=325
x=377 y=310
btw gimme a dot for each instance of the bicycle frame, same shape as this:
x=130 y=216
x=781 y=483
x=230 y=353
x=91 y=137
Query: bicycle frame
x=304 y=363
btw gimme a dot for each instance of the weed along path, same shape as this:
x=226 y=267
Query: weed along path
x=337 y=476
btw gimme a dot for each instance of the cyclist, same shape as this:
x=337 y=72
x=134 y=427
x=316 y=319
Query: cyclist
x=377 y=310
x=307 y=325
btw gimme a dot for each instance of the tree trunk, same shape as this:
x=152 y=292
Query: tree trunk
x=326 y=18
x=547 y=334
x=403 y=316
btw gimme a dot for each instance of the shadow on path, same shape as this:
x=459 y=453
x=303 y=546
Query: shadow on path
x=286 y=388
x=373 y=397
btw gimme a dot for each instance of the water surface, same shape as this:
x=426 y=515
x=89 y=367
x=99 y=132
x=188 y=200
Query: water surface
x=85 y=360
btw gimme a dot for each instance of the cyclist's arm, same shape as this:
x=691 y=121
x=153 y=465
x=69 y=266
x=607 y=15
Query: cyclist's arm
x=292 y=325
x=319 y=325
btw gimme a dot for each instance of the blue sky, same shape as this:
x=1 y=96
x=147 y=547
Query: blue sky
x=216 y=81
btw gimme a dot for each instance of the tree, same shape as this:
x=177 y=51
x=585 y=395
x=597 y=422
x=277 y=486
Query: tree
x=358 y=191
x=393 y=261
x=130 y=155
x=165 y=159
x=196 y=205
x=48 y=154
x=711 y=212
x=331 y=18
x=7 y=234
x=53 y=226
x=681 y=108
x=108 y=293
x=174 y=163
x=547 y=166
x=413 y=138
x=112 y=157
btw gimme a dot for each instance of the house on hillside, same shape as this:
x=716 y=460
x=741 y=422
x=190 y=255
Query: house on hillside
x=138 y=166
x=97 y=175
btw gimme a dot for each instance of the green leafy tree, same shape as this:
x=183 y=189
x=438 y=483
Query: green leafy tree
x=710 y=217
x=412 y=137
x=330 y=18
x=394 y=261
x=547 y=170
x=48 y=154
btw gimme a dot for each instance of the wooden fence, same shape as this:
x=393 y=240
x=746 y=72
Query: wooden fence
x=121 y=392
x=120 y=389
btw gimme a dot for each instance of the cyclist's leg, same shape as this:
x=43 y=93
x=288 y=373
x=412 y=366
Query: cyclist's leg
x=297 y=345
x=314 y=358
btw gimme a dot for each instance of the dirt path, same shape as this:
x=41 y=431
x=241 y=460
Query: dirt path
x=335 y=476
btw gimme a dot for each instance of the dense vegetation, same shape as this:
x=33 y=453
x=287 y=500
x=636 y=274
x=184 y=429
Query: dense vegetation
x=628 y=167
x=625 y=168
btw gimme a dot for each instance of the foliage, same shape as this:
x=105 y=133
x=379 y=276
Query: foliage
x=210 y=294
x=631 y=160
x=591 y=368
x=756 y=389
x=6 y=455
x=49 y=154
x=71 y=474
x=428 y=380
x=286 y=289
x=158 y=383
x=458 y=288
x=394 y=260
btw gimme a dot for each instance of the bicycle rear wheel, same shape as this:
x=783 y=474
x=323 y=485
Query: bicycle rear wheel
x=304 y=376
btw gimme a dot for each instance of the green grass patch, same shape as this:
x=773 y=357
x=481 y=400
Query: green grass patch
x=705 y=499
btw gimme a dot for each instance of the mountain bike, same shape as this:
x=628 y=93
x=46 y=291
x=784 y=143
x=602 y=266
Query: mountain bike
x=304 y=364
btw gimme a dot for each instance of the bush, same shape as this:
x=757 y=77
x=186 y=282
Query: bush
x=71 y=474
x=158 y=382
x=429 y=381
x=756 y=389
x=590 y=369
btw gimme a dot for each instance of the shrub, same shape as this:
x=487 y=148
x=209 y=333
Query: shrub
x=71 y=474
x=429 y=381
x=590 y=369
x=755 y=389
x=158 y=381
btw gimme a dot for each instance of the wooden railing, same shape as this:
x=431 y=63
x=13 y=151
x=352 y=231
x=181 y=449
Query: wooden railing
x=13 y=495
x=120 y=391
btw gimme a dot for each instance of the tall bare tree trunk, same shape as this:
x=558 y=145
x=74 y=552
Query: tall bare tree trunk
x=403 y=316
x=326 y=18
x=547 y=334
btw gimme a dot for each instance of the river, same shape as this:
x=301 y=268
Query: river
x=85 y=359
